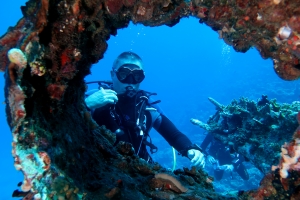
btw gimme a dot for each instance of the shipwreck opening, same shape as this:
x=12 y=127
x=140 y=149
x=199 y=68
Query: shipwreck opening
x=184 y=77
x=57 y=145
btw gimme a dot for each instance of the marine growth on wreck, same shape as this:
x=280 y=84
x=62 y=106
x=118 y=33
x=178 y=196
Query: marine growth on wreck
x=62 y=152
x=255 y=129
x=259 y=130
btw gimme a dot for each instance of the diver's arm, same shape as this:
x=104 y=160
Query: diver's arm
x=172 y=135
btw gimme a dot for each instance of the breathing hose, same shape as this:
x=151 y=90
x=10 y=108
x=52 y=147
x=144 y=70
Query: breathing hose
x=174 y=159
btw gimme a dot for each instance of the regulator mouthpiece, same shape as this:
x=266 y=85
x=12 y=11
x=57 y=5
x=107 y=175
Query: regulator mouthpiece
x=130 y=91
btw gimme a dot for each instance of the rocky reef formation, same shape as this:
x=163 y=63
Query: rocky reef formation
x=259 y=131
x=58 y=147
x=283 y=181
x=256 y=130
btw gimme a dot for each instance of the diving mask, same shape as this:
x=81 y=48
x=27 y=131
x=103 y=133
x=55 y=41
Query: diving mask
x=130 y=76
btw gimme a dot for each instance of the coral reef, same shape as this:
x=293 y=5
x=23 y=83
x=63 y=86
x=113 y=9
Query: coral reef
x=259 y=131
x=254 y=129
x=63 y=154
x=270 y=26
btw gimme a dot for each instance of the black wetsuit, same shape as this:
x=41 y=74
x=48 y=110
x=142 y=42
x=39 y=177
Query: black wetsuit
x=221 y=153
x=125 y=119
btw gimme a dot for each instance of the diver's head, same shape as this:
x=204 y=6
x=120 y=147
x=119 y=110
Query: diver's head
x=127 y=72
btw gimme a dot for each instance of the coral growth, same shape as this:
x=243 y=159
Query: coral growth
x=254 y=129
x=37 y=68
x=17 y=57
x=60 y=149
x=113 y=6
x=56 y=91
x=18 y=62
x=258 y=130
x=168 y=182
x=283 y=181
x=16 y=100
x=11 y=40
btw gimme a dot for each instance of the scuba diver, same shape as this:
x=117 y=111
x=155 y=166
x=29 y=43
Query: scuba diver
x=223 y=158
x=130 y=113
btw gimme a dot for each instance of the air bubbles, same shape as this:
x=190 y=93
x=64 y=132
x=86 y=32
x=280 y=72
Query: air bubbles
x=226 y=60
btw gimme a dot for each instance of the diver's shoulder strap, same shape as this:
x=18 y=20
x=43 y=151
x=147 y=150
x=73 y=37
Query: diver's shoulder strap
x=150 y=101
x=151 y=106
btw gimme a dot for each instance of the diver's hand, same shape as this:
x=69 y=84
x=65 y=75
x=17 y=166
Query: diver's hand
x=197 y=158
x=226 y=167
x=211 y=159
x=101 y=98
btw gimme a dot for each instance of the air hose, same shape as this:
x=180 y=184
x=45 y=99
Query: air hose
x=174 y=159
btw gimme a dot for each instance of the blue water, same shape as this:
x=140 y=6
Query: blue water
x=184 y=65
